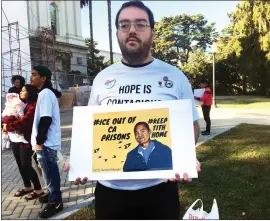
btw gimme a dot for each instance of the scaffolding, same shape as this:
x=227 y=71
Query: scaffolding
x=13 y=60
x=17 y=46
x=16 y=61
x=44 y=50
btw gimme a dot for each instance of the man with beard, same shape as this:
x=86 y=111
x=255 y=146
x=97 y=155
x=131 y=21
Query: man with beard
x=149 y=154
x=139 y=76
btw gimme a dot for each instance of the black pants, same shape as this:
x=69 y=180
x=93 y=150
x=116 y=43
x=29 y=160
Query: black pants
x=206 y=116
x=23 y=158
x=157 y=202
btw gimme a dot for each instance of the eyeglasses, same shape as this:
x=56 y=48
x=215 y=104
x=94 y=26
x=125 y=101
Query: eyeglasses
x=139 y=26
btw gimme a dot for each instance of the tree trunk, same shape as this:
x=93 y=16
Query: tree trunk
x=244 y=85
x=91 y=31
x=110 y=29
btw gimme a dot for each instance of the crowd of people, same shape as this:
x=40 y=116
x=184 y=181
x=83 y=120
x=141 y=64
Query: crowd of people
x=39 y=123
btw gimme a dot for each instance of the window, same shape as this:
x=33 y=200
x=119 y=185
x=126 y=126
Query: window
x=53 y=13
x=79 y=60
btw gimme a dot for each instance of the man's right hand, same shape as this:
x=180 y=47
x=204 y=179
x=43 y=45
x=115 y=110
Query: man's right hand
x=78 y=180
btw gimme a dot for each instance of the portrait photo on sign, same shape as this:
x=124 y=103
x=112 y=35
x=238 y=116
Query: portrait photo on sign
x=150 y=140
x=132 y=141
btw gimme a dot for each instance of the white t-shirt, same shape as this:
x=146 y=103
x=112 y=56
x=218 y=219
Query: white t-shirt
x=156 y=81
x=47 y=106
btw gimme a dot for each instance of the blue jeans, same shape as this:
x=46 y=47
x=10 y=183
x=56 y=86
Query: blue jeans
x=48 y=163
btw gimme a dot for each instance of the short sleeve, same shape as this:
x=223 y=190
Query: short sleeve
x=186 y=93
x=93 y=99
x=46 y=102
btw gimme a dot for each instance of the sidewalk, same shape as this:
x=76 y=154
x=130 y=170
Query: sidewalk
x=18 y=208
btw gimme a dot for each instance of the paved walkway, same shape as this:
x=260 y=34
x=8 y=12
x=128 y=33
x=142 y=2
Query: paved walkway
x=223 y=119
x=17 y=208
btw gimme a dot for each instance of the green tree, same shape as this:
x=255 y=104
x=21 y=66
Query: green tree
x=261 y=18
x=94 y=68
x=199 y=65
x=178 y=36
x=246 y=41
x=228 y=76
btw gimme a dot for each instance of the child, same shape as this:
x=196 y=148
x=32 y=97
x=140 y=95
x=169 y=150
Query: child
x=14 y=108
x=206 y=106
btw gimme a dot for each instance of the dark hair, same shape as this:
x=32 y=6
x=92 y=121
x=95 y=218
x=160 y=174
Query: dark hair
x=32 y=92
x=137 y=4
x=203 y=80
x=18 y=77
x=142 y=123
x=45 y=72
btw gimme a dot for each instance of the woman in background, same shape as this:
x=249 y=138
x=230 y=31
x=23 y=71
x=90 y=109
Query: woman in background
x=206 y=106
x=23 y=152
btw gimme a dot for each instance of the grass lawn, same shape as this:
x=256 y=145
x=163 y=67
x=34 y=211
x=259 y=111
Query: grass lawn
x=245 y=102
x=235 y=171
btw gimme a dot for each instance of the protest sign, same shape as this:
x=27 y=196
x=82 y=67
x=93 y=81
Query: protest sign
x=198 y=93
x=108 y=141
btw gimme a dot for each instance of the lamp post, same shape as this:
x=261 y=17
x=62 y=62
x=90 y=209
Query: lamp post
x=214 y=50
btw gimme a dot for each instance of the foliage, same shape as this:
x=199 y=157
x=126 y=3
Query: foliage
x=94 y=69
x=178 y=36
x=261 y=18
x=199 y=64
x=245 y=44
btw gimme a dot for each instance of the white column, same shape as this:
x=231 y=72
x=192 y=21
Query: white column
x=70 y=13
x=33 y=17
x=61 y=18
x=78 y=19
x=44 y=13
x=66 y=18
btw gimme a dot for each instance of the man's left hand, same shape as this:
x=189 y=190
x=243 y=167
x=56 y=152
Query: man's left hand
x=185 y=178
x=39 y=147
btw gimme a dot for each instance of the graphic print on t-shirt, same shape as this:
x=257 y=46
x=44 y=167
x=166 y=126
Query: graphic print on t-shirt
x=129 y=93
x=123 y=143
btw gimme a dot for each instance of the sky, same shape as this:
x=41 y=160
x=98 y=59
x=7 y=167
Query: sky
x=214 y=11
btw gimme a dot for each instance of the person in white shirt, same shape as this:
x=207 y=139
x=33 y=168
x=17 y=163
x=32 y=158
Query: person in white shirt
x=139 y=78
x=46 y=138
